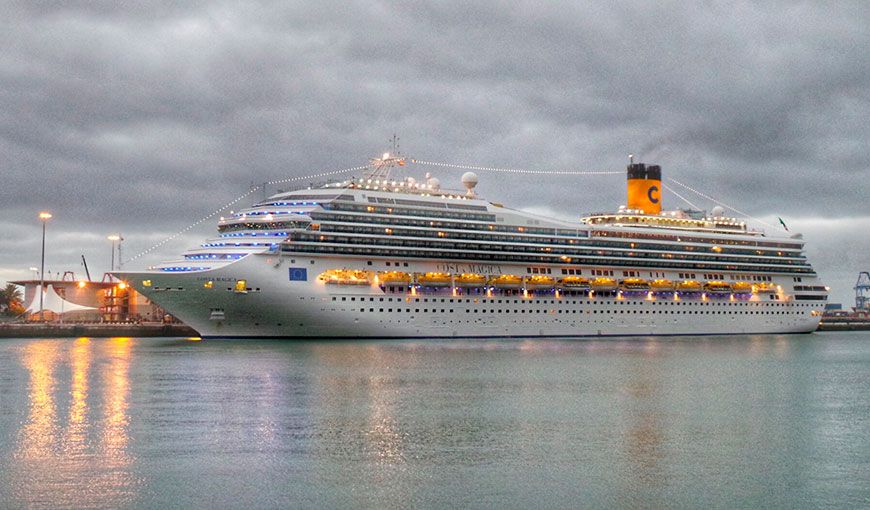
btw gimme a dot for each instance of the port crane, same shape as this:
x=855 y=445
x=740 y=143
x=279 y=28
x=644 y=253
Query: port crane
x=862 y=291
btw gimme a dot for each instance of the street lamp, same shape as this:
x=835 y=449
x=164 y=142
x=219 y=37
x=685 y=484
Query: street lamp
x=113 y=238
x=43 y=217
x=35 y=272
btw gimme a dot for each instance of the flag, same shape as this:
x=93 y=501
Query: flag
x=783 y=224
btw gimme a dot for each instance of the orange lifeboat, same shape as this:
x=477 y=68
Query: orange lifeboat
x=717 y=286
x=661 y=285
x=345 y=277
x=540 y=282
x=764 y=288
x=574 y=283
x=469 y=280
x=689 y=286
x=603 y=284
x=741 y=287
x=394 y=278
x=434 y=279
x=506 y=281
x=634 y=284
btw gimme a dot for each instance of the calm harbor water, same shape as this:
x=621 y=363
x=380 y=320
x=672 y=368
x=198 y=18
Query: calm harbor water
x=762 y=421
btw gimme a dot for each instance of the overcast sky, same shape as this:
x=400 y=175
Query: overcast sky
x=142 y=117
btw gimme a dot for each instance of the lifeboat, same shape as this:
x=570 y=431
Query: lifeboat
x=717 y=286
x=601 y=284
x=394 y=278
x=741 y=287
x=634 y=284
x=469 y=280
x=434 y=279
x=540 y=282
x=689 y=286
x=764 y=288
x=574 y=282
x=661 y=285
x=345 y=277
x=506 y=281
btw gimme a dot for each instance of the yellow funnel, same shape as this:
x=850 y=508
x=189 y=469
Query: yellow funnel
x=645 y=188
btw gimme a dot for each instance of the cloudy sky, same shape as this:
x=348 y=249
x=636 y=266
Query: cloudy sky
x=142 y=117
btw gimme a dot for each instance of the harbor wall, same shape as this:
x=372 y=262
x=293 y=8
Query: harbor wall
x=95 y=330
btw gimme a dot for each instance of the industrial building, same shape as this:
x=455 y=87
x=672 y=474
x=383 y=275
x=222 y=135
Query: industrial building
x=74 y=300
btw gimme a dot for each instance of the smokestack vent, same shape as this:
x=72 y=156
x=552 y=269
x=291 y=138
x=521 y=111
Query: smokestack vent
x=645 y=187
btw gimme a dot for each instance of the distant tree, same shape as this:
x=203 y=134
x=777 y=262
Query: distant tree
x=16 y=309
x=11 y=300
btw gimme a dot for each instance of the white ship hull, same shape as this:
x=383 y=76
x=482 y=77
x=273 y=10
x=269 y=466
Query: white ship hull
x=281 y=307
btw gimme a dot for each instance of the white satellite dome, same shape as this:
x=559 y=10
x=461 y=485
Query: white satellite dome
x=469 y=180
x=717 y=212
x=433 y=183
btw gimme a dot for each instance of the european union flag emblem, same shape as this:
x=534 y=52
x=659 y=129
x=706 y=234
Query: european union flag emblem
x=298 y=274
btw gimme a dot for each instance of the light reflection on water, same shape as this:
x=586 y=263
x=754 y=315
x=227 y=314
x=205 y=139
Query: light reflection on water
x=40 y=433
x=75 y=458
x=735 y=422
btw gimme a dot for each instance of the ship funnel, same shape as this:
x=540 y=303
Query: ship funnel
x=645 y=188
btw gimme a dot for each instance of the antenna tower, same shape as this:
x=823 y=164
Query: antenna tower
x=379 y=168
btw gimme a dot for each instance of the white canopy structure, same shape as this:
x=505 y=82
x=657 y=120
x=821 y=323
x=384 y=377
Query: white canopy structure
x=52 y=302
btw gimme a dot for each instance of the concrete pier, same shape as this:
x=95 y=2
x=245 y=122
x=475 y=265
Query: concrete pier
x=53 y=330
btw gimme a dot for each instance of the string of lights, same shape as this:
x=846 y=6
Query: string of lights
x=441 y=165
x=726 y=206
x=512 y=170
x=681 y=197
x=237 y=199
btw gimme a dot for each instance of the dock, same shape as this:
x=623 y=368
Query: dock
x=95 y=330
x=845 y=324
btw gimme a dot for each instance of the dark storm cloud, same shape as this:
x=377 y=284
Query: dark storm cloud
x=144 y=116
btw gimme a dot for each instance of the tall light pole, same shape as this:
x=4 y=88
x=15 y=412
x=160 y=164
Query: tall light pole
x=35 y=272
x=43 y=217
x=120 y=261
x=113 y=238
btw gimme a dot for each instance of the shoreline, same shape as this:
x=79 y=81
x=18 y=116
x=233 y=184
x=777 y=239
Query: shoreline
x=182 y=330
x=845 y=325
x=96 y=330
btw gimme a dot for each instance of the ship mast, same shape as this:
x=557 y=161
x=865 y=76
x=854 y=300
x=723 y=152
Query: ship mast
x=379 y=168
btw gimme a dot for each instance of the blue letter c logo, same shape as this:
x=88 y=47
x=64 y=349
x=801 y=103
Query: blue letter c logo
x=649 y=194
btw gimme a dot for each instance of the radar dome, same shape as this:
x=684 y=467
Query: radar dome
x=434 y=183
x=469 y=180
x=718 y=211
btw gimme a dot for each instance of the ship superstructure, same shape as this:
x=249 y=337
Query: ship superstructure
x=380 y=258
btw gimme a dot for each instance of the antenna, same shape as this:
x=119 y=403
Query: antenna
x=252 y=187
x=631 y=159
x=380 y=167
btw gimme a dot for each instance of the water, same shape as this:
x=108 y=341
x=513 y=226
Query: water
x=767 y=421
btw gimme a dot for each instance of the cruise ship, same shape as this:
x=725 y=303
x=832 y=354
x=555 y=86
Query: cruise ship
x=387 y=256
